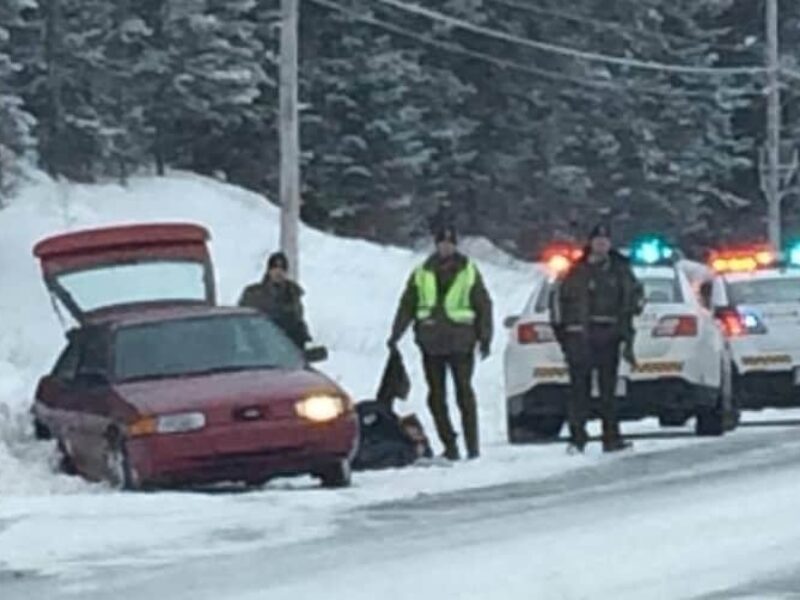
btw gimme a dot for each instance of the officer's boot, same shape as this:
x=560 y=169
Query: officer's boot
x=612 y=439
x=451 y=450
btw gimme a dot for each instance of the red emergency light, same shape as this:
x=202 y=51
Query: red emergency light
x=559 y=258
x=743 y=260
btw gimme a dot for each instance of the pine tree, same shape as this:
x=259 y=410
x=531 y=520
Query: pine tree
x=202 y=72
x=16 y=124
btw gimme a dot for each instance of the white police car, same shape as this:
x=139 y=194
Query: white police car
x=756 y=298
x=683 y=368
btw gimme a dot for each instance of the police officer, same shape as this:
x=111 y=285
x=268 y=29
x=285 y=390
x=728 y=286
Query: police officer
x=592 y=310
x=450 y=307
x=279 y=298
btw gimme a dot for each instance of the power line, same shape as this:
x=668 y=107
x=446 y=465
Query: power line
x=610 y=25
x=513 y=66
x=570 y=52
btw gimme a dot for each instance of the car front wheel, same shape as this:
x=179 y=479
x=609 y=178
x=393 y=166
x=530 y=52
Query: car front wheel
x=118 y=464
x=337 y=475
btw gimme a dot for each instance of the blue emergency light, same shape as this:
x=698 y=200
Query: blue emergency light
x=793 y=255
x=652 y=251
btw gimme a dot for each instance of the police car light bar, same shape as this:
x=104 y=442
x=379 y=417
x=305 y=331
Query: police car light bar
x=559 y=258
x=793 y=255
x=745 y=260
x=652 y=251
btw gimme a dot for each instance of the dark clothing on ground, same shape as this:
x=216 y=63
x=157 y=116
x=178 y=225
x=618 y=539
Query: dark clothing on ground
x=438 y=335
x=282 y=302
x=461 y=366
x=592 y=311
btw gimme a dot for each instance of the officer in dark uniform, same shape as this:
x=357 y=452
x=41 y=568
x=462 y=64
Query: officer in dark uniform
x=592 y=311
x=280 y=298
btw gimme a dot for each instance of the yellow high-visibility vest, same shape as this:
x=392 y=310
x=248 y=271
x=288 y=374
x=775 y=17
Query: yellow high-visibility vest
x=458 y=301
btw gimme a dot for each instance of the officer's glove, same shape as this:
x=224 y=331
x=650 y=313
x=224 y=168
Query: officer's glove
x=628 y=354
x=485 y=350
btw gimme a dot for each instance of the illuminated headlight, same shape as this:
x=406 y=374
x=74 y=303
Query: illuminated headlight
x=321 y=408
x=181 y=422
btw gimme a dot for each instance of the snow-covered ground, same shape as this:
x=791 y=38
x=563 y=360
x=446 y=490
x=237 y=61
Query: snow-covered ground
x=51 y=523
x=352 y=290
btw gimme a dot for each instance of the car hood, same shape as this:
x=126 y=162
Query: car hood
x=224 y=390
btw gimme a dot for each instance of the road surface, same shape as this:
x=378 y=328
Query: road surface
x=713 y=520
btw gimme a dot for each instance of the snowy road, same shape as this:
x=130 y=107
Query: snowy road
x=712 y=520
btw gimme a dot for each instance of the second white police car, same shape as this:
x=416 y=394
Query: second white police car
x=683 y=365
x=756 y=298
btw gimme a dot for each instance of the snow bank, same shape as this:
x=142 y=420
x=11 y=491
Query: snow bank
x=353 y=287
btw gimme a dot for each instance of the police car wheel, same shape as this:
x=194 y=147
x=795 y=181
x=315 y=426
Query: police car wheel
x=529 y=430
x=673 y=420
x=710 y=423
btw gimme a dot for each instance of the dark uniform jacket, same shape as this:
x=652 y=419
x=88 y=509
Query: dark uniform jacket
x=606 y=292
x=282 y=302
x=438 y=335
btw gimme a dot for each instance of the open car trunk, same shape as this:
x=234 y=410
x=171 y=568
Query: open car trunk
x=99 y=270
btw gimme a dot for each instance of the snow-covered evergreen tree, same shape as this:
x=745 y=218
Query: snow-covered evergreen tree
x=16 y=124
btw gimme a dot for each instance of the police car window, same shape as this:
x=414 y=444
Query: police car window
x=662 y=290
x=765 y=291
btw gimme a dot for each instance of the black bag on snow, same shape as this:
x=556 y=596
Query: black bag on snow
x=386 y=440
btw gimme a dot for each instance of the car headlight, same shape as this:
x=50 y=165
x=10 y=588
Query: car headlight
x=321 y=408
x=180 y=422
x=175 y=423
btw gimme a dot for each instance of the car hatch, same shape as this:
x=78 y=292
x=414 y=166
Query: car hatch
x=98 y=270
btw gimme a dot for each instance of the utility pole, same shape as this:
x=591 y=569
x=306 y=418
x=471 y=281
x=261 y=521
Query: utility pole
x=290 y=135
x=773 y=174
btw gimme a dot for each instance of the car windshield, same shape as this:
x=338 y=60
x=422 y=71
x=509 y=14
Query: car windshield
x=205 y=345
x=765 y=291
x=116 y=285
x=661 y=290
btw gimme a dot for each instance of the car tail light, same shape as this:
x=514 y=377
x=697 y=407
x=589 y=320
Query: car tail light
x=676 y=326
x=735 y=324
x=535 y=333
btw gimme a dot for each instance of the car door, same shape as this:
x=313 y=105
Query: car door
x=92 y=397
x=53 y=407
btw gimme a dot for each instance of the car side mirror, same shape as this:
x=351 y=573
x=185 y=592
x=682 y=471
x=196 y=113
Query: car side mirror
x=510 y=321
x=316 y=354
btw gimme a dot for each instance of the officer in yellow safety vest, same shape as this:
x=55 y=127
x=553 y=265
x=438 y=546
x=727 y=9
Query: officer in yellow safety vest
x=450 y=307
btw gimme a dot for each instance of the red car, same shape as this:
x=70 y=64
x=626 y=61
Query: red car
x=159 y=387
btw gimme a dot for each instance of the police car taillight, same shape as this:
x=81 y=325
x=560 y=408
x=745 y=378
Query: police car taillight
x=676 y=326
x=535 y=333
x=736 y=324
